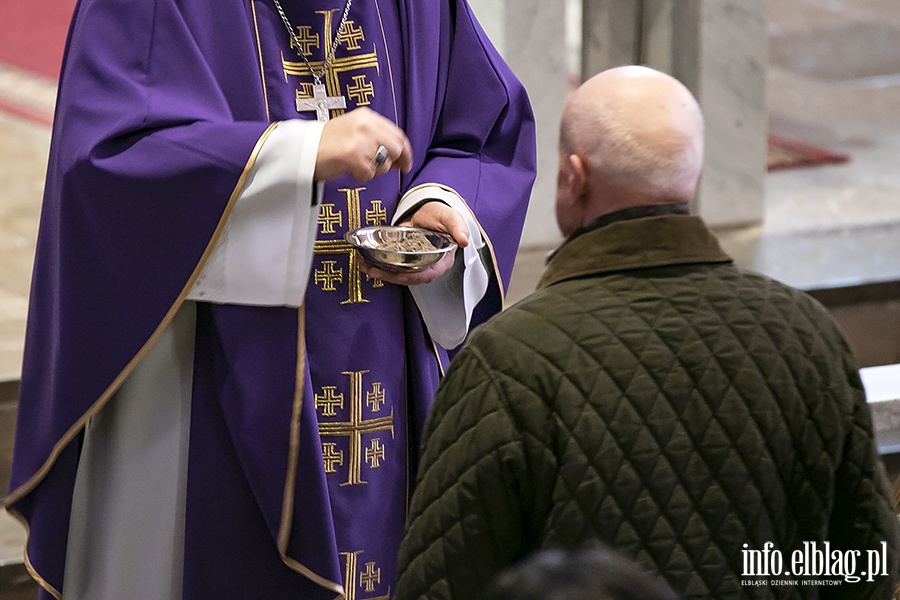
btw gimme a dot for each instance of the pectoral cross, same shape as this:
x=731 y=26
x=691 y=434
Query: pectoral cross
x=321 y=102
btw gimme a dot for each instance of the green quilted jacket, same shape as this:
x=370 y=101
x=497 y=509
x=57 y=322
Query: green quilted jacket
x=653 y=397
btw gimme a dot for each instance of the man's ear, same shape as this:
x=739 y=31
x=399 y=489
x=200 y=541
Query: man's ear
x=572 y=178
x=579 y=176
x=571 y=193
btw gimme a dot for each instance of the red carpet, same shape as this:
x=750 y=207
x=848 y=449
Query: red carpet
x=33 y=34
x=788 y=154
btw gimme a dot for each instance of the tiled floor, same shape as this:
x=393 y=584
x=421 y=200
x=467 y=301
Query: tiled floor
x=834 y=81
x=23 y=152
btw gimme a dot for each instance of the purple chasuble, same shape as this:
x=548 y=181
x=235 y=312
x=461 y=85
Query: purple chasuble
x=302 y=448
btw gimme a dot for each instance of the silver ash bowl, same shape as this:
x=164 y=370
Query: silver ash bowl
x=381 y=246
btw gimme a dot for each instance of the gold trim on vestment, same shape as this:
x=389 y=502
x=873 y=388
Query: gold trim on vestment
x=434 y=347
x=309 y=574
x=287 y=505
x=487 y=238
x=387 y=57
x=104 y=398
x=262 y=69
x=290 y=483
x=31 y=570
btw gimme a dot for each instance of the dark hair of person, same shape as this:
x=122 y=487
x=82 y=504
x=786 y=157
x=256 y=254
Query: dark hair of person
x=591 y=574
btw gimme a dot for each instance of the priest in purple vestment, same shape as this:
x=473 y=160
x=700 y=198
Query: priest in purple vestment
x=219 y=398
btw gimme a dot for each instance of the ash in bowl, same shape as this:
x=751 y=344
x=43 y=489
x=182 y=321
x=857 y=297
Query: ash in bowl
x=394 y=248
x=414 y=241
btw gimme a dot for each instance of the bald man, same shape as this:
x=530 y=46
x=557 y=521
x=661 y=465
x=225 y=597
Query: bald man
x=650 y=396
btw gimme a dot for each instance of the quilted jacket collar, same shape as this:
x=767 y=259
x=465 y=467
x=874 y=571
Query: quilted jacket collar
x=634 y=244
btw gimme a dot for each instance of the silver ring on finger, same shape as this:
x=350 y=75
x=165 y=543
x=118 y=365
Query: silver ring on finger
x=381 y=156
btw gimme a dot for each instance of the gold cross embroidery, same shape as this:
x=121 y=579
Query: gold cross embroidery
x=343 y=64
x=375 y=454
x=328 y=218
x=360 y=90
x=331 y=458
x=307 y=40
x=356 y=427
x=328 y=401
x=370 y=577
x=376 y=215
x=367 y=578
x=328 y=275
x=375 y=398
x=352 y=36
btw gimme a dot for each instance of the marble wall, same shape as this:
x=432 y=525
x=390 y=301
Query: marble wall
x=718 y=48
x=610 y=33
x=730 y=79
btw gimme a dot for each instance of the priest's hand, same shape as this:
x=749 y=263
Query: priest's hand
x=433 y=215
x=351 y=142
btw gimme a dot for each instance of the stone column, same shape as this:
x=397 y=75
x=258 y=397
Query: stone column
x=719 y=49
x=610 y=34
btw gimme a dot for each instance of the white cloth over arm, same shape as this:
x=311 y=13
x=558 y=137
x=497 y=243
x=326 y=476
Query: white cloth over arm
x=447 y=302
x=264 y=253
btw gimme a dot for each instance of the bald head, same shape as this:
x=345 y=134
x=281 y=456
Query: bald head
x=630 y=136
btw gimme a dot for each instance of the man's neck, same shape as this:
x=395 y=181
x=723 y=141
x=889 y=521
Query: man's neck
x=633 y=212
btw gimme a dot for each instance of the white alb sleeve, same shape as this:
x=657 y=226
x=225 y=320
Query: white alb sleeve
x=447 y=302
x=264 y=253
